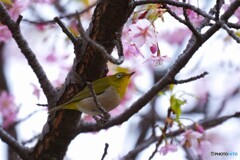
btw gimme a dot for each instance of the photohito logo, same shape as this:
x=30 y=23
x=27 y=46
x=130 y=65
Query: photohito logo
x=224 y=153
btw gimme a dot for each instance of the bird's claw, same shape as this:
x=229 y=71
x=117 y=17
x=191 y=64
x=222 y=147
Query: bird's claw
x=104 y=119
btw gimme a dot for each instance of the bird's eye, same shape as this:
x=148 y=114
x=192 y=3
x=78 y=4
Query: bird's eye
x=119 y=75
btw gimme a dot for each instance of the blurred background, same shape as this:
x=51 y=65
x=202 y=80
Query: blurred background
x=215 y=95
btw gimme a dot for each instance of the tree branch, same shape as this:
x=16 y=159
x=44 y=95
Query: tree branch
x=61 y=17
x=207 y=124
x=192 y=46
x=164 y=130
x=189 y=24
x=230 y=32
x=105 y=151
x=100 y=48
x=47 y=87
x=65 y=30
x=190 y=79
x=108 y=18
x=21 y=150
x=173 y=3
x=219 y=4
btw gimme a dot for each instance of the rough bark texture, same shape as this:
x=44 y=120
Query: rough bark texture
x=108 y=18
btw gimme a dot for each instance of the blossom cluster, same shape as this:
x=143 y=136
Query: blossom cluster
x=14 y=9
x=191 y=139
x=8 y=109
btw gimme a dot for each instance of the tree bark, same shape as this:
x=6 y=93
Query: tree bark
x=108 y=19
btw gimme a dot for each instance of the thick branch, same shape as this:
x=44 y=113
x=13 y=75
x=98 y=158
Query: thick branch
x=21 y=150
x=28 y=53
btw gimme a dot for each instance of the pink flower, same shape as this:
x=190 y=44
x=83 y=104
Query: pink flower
x=199 y=128
x=36 y=91
x=8 y=108
x=5 y=34
x=168 y=148
x=203 y=147
x=157 y=60
x=191 y=138
x=177 y=10
x=142 y=33
x=131 y=49
x=51 y=57
x=154 y=48
x=18 y=7
x=176 y=37
x=194 y=17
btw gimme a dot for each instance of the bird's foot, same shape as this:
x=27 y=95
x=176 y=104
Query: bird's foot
x=104 y=119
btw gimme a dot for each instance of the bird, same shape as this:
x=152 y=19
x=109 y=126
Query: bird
x=109 y=92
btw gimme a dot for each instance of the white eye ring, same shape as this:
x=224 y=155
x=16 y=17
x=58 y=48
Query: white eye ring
x=119 y=75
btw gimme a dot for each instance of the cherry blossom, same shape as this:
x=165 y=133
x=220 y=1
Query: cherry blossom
x=175 y=37
x=203 y=147
x=199 y=128
x=190 y=138
x=8 y=108
x=157 y=60
x=168 y=148
x=51 y=57
x=36 y=90
x=18 y=7
x=194 y=17
x=5 y=34
x=131 y=49
x=142 y=33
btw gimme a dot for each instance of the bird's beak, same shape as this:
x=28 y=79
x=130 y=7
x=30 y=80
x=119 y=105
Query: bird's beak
x=131 y=74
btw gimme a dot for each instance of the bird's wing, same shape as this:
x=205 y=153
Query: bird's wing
x=97 y=85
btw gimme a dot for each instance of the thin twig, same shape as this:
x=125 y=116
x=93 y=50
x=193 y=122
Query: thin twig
x=174 y=3
x=118 y=43
x=65 y=30
x=61 y=17
x=105 y=151
x=190 y=25
x=219 y=4
x=21 y=150
x=190 y=79
x=174 y=15
x=230 y=32
x=31 y=140
x=46 y=85
x=99 y=47
x=207 y=124
x=233 y=25
x=164 y=131
x=225 y=100
x=24 y=119
x=98 y=104
x=20 y=17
